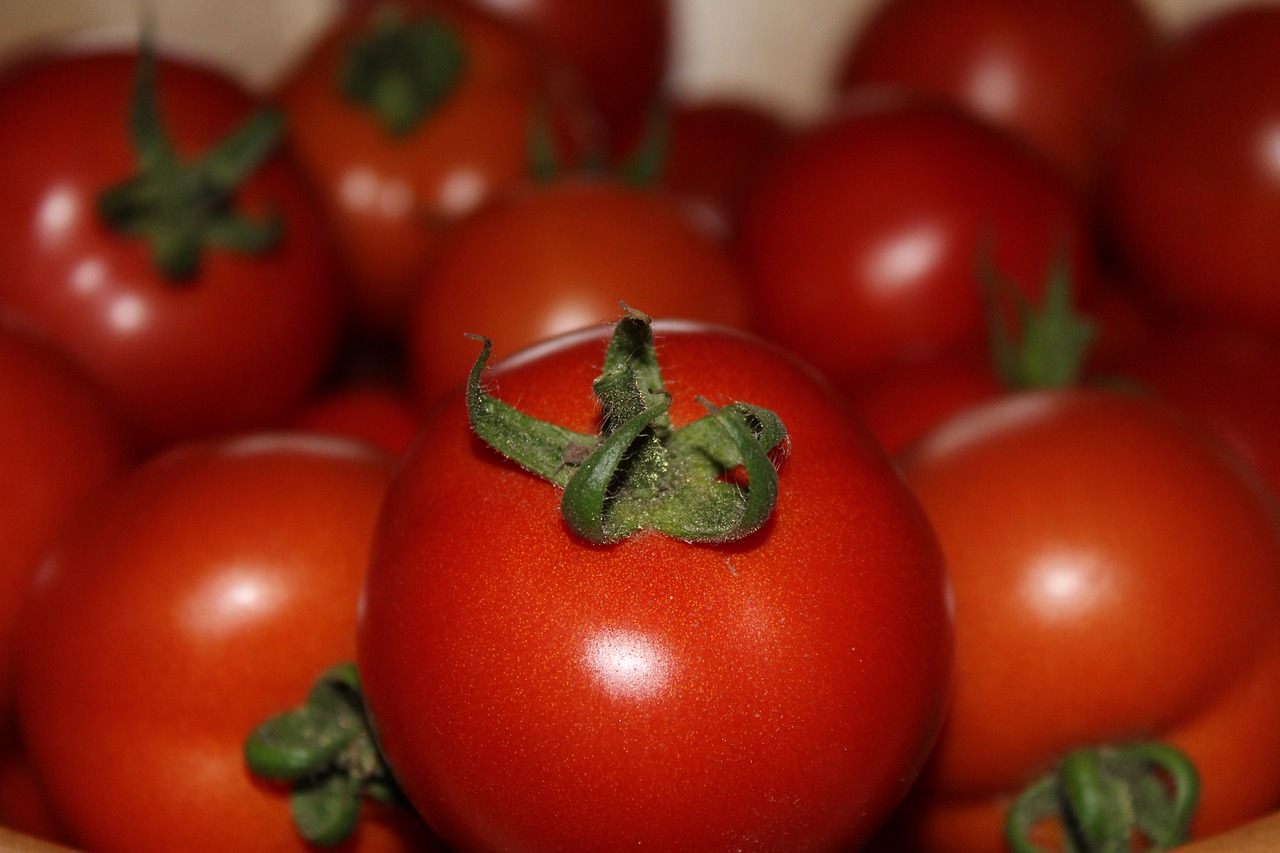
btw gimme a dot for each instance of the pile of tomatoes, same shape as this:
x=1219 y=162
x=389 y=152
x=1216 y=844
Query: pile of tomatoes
x=470 y=444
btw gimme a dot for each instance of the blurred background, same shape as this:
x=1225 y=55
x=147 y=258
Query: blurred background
x=776 y=52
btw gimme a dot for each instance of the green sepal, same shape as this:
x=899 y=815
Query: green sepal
x=648 y=162
x=1108 y=798
x=181 y=208
x=326 y=749
x=401 y=69
x=1042 y=347
x=640 y=473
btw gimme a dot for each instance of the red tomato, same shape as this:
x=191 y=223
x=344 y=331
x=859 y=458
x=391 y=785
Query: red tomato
x=22 y=804
x=235 y=345
x=379 y=414
x=1117 y=578
x=716 y=150
x=862 y=240
x=621 y=49
x=200 y=595
x=776 y=692
x=1194 y=196
x=59 y=443
x=388 y=194
x=556 y=257
x=1058 y=73
x=1224 y=375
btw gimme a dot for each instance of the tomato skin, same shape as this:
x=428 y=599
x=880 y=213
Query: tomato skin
x=59 y=444
x=379 y=414
x=1116 y=574
x=387 y=198
x=778 y=691
x=621 y=49
x=179 y=360
x=1058 y=73
x=1193 y=196
x=862 y=239
x=576 y=248
x=200 y=595
x=1227 y=376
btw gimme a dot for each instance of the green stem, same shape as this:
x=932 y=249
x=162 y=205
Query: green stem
x=1110 y=798
x=181 y=208
x=640 y=472
x=402 y=68
x=325 y=748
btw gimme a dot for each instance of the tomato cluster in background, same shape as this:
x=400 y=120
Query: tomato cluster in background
x=1023 y=257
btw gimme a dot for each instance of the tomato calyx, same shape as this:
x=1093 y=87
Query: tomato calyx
x=325 y=747
x=1108 y=797
x=1040 y=346
x=641 y=472
x=401 y=69
x=180 y=207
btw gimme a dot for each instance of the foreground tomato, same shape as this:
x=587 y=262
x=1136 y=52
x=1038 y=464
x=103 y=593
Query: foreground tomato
x=201 y=594
x=863 y=239
x=534 y=691
x=1193 y=193
x=559 y=256
x=220 y=340
x=1117 y=578
x=400 y=146
x=1058 y=73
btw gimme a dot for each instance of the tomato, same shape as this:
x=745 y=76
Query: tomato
x=716 y=149
x=775 y=692
x=620 y=49
x=388 y=191
x=235 y=343
x=199 y=595
x=1193 y=195
x=379 y=414
x=1116 y=573
x=59 y=444
x=558 y=256
x=862 y=240
x=22 y=803
x=1227 y=376
x=1058 y=73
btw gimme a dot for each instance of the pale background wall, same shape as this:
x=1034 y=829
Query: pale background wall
x=776 y=51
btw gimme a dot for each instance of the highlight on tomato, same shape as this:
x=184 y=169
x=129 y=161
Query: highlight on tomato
x=199 y=594
x=1116 y=573
x=696 y=610
x=168 y=243
x=407 y=116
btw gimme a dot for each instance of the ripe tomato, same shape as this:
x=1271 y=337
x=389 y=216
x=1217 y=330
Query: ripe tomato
x=235 y=344
x=1058 y=73
x=862 y=240
x=198 y=596
x=1193 y=195
x=620 y=49
x=555 y=257
x=387 y=191
x=379 y=414
x=59 y=443
x=716 y=150
x=1117 y=577
x=776 y=692
x=1227 y=376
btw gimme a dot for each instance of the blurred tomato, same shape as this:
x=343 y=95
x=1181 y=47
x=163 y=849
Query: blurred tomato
x=863 y=240
x=399 y=149
x=560 y=256
x=382 y=415
x=1058 y=73
x=1194 y=192
x=233 y=344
